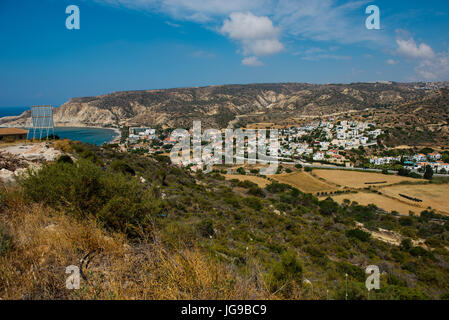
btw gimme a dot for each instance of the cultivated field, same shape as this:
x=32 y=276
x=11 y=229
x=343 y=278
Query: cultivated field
x=304 y=182
x=356 y=179
x=435 y=196
x=385 y=203
x=261 y=182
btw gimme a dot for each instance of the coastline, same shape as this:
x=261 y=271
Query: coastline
x=115 y=139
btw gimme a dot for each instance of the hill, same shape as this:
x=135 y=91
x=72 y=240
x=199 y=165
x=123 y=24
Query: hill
x=156 y=231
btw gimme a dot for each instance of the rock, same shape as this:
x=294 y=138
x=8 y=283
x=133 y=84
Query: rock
x=33 y=157
x=6 y=176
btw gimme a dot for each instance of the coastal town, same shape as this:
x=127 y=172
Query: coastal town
x=329 y=142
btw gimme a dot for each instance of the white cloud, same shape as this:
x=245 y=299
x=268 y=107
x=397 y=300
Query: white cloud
x=325 y=20
x=195 y=10
x=257 y=35
x=409 y=49
x=174 y=25
x=319 y=20
x=315 y=54
x=247 y=26
x=203 y=54
x=436 y=68
x=430 y=65
x=252 y=62
x=392 y=62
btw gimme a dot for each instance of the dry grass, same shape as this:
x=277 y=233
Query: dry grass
x=356 y=179
x=435 y=196
x=62 y=145
x=385 y=203
x=45 y=242
x=261 y=182
x=304 y=182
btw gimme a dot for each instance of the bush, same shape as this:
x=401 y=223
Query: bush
x=406 y=244
x=241 y=171
x=298 y=166
x=119 y=202
x=353 y=271
x=122 y=166
x=358 y=234
x=5 y=242
x=406 y=221
x=254 y=203
x=276 y=187
x=65 y=159
x=328 y=207
x=289 y=269
x=403 y=172
x=421 y=252
x=206 y=228
x=256 y=191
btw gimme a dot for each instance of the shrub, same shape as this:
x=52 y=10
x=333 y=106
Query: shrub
x=256 y=191
x=206 y=228
x=421 y=252
x=406 y=244
x=241 y=171
x=5 y=242
x=285 y=271
x=62 y=145
x=328 y=207
x=254 y=203
x=65 y=159
x=358 y=234
x=122 y=166
x=403 y=172
x=406 y=221
x=119 y=202
x=276 y=187
x=353 y=271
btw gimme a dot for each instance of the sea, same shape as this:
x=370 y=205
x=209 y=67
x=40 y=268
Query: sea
x=96 y=136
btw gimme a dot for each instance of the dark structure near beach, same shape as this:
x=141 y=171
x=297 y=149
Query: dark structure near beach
x=13 y=134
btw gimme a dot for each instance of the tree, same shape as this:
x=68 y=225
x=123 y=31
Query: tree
x=358 y=234
x=406 y=244
x=241 y=171
x=428 y=174
x=403 y=172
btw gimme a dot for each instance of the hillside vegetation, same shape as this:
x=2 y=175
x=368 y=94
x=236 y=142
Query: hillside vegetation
x=157 y=231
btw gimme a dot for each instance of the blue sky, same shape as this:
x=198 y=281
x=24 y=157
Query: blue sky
x=151 y=44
